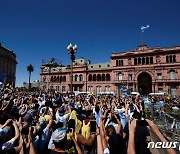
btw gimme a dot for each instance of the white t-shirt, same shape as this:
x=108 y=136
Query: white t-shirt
x=106 y=151
x=8 y=145
x=62 y=119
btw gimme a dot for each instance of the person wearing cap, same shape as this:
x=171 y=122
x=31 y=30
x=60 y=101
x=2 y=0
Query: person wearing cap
x=61 y=144
x=61 y=117
x=27 y=120
x=45 y=131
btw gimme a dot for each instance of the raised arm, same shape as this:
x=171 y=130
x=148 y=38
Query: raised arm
x=16 y=131
x=84 y=141
x=118 y=122
x=75 y=142
x=131 y=143
x=6 y=123
x=156 y=131
x=137 y=109
x=102 y=133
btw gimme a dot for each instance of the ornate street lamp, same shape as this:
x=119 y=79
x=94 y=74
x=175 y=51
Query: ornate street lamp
x=72 y=50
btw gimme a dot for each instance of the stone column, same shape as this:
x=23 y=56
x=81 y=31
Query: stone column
x=153 y=87
x=127 y=86
x=135 y=86
x=164 y=87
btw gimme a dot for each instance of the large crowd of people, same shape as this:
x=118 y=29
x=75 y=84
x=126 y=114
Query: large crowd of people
x=52 y=123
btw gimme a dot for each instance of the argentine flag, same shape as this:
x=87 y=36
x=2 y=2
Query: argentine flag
x=144 y=27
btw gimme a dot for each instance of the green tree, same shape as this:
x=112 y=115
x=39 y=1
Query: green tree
x=30 y=69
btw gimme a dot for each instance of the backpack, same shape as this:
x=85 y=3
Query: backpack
x=85 y=130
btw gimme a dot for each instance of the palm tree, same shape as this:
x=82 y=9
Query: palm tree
x=30 y=69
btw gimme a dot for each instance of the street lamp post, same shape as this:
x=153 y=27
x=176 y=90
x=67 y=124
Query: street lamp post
x=72 y=50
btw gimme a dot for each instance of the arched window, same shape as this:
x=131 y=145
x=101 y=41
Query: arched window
x=139 y=61
x=98 y=77
x=135 y=61
x=167 y=59
x=98 y=89
x=143 y=60
x=171 y=59
x=107 y=88
x=119 y=63
x=51 y=78
x=116 y=62
x=57 y=88
x=94 y=77
x=151 y=60
x=63 y=89
x=147 y=60
x=64 y=78
x=60 y=79
x=57 y=79
x=80 y=77
x=54 y=79
x=103 y=77
x=172 y=75
x=90 y=88
x=76 y=78
x=120 y=76
x=108 y=78
x=173 y=90
x=174 y=58
x=122 y=63
x=90 y=77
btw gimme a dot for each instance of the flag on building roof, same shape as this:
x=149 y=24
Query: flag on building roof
x=144 y=27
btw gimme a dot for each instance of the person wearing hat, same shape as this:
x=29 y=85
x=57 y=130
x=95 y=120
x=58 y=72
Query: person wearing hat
x=44 y=133
x=61 y=144
x=27 y=119
x=61 y=116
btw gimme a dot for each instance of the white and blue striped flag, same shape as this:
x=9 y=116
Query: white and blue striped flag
x=144 y=27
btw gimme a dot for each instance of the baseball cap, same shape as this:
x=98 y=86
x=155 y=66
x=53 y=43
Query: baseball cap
x=42 y=121
x=59 y=135
x=27 y=117
x=3 y=132
x=61 y=111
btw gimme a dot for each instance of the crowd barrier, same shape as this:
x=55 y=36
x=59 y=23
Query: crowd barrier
x=168 y=125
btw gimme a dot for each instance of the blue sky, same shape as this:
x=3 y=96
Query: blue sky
x=42 y=29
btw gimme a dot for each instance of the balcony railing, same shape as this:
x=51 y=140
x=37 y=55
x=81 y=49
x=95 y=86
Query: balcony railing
x=124 y=81
x=156 y=80
x=78 y=82
x=99 y=81
x=167 y=80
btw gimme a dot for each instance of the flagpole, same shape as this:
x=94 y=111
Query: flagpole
x=142 y=30
x=141 y=37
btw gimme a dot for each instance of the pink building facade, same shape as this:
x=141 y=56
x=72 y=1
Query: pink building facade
x=144 y=70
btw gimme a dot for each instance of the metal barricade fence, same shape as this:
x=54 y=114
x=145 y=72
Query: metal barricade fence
x=168 y=125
